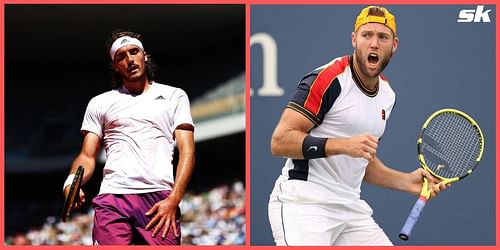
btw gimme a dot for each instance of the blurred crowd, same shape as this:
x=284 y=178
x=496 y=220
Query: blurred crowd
x=215 y=217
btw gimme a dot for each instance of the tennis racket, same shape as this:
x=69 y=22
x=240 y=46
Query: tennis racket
x=450 y=146
x=73 y=195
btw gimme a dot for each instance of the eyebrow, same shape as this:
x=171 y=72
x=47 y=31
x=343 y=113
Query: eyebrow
x=377 y=32
x=131 y=49
x=119 y=54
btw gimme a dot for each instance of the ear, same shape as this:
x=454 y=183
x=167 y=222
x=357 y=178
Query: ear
x=113 y=65
x=146 y=56
x=395 y=44
x=353 y=39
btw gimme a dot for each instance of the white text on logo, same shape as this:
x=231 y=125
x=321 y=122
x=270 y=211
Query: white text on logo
x=470 y=15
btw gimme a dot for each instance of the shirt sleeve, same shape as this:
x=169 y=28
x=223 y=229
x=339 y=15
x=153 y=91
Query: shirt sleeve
x=182 y=112
x=314 y=100
x=92 y=120
x=318 y=90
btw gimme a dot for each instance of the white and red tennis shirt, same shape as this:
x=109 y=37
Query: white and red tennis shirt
x=340 y=106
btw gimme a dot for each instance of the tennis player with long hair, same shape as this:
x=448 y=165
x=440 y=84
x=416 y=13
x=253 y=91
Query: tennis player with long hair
x=138 y=122
x=329 y=133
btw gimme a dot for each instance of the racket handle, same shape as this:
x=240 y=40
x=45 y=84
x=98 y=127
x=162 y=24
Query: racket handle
x=405 y=232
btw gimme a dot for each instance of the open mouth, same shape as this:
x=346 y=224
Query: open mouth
x=372 y=58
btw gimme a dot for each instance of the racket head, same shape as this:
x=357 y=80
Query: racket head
x=73 y=195
x=450 y=145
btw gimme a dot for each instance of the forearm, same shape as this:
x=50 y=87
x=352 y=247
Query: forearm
x=87 y=156
x=88 y=163
x=336 y=146
x=183 y=175
x=185 y=144
x=290 y=144
x=295 y=144
x=380 y=175
x=288 y=140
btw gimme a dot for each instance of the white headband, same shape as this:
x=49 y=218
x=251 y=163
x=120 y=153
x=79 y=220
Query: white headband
x=123 y=41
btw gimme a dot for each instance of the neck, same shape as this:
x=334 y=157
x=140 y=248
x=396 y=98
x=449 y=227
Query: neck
x=137 y=87
x=368 y=82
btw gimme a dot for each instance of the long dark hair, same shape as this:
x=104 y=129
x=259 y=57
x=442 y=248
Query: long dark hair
x=116 y=78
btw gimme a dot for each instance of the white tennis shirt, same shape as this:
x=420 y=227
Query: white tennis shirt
x=340 y=107
x=138 y=135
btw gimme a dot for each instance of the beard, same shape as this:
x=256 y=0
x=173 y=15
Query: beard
x=361 y=59
x=137 y=77
x=134 y=78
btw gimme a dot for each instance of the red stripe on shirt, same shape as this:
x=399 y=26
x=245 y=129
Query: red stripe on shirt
x=384 y=78
x=322 y=83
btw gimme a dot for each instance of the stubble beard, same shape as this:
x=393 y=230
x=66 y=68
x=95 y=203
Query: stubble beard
x=135 y=77
x=360 y=59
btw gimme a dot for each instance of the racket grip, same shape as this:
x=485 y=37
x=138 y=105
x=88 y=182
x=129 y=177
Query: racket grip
x=405 y=232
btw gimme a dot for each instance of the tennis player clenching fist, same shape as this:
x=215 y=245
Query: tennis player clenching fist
x=329 y=133
x=138 y=123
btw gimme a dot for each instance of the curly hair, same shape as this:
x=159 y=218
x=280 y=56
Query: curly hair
x=116 y=78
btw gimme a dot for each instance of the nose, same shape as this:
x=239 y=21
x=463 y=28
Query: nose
x=374 y=43
x=129 y=57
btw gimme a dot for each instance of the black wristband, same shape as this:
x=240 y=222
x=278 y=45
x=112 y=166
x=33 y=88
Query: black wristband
x=313 y=147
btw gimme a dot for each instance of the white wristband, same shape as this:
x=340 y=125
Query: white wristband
x=68 y=181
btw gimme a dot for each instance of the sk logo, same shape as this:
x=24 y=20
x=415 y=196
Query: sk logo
x=477 y=15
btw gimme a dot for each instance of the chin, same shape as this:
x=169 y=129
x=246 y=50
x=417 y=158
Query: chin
x=375 y=73
x=135 y=78
x=372 y=73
